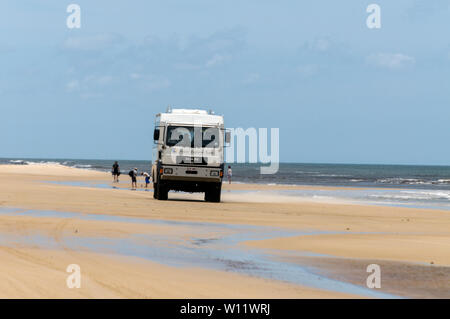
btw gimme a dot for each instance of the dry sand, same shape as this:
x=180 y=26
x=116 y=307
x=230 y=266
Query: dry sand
x=398 y=235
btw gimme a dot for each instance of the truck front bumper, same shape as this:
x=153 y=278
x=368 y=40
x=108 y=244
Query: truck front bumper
x=191 y=174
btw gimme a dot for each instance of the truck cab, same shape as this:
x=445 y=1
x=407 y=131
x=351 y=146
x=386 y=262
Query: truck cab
x=188 y=154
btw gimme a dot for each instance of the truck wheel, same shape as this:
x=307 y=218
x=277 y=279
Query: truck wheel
x=218 y=194
x=161 y=192
x=213 y=194
x=155 y=190
x=216 y=197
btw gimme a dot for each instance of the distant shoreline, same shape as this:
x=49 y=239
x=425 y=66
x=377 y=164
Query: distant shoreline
x=34 y=159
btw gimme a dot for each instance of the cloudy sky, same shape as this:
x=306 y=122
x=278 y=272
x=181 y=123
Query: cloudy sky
x=338 y=91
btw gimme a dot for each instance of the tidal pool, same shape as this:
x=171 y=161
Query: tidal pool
x=214 y=246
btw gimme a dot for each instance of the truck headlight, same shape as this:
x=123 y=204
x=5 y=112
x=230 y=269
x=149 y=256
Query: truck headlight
x=168 y=170
x=214 y=173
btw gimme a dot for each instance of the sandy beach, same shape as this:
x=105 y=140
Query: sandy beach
x=257 y=243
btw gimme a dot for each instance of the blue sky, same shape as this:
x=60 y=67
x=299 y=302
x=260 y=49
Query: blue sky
x=338 y=91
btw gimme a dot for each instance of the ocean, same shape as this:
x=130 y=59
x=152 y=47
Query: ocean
x=403 y=185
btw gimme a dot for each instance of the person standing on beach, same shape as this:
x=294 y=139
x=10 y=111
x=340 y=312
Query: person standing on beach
x=116 y=172
x=133 y=174
x=229 y=174
x=147 y=179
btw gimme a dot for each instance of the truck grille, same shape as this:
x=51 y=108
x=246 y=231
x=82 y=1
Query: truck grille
x=191 y=160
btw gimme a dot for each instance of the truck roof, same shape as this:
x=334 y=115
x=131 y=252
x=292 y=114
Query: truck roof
x=190 y=117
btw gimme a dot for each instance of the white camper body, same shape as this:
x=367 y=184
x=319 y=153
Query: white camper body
x=189 y=153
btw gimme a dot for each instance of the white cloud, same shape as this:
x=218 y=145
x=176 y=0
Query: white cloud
x=90 y=95
x=106 y=63
x=391 y=61
x=251 y=78
x=320 y=44
x=150 y=82
x=135 y=76
x=421 y=9
x=187 y=66
x=223 y=41
x=72 y=85
x=89 y=86
x=217 y=59
x=308 y=70
x=322 y=53
x=92 y=42
x=101 y=80
x=155 y=84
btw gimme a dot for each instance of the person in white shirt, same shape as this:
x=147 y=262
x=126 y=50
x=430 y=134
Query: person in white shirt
x=229 y=174
x=147 y=179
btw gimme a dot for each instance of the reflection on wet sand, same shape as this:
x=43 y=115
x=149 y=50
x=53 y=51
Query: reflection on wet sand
x=215 y=246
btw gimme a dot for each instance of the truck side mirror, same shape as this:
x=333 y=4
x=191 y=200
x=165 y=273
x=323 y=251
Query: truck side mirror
x=227 y=137
x=156 y=134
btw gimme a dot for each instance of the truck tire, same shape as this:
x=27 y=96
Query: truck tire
x=213 y=194
x=161 y=191
x=155 y=190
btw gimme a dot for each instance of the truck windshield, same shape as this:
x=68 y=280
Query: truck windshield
x=189 y=136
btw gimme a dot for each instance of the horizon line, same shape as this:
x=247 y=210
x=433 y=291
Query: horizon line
x=281 y=162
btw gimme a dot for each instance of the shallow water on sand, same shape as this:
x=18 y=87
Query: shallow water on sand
x=214 y=246
x=99 y=184
x=410 y=198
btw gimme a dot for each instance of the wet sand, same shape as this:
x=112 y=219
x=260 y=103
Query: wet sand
x=405 y=279
x=40 y=273
x=39 y=238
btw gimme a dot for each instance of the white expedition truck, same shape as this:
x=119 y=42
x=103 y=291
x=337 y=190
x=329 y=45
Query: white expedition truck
x=188 y=154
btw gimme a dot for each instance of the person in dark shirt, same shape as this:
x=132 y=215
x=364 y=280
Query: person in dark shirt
x=116 y=172
x=133 y=174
